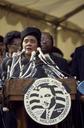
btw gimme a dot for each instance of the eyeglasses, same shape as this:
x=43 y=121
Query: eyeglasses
x=46 y=40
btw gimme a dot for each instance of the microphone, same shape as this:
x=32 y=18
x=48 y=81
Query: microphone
x=9 y=62
x=16 y=58
x=41 y=54
x=4 y=75
x=33 y=55
x=50 y=63
x=18 y=53
x=1 y=84
x=5 y=68
x=31 y=65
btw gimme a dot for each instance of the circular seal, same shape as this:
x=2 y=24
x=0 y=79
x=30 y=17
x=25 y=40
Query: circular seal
x=47 y=102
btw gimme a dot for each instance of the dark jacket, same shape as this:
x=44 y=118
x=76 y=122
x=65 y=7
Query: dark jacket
x=61 y=63
x=77 y=68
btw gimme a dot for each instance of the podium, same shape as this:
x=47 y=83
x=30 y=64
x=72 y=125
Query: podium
x=14 y=95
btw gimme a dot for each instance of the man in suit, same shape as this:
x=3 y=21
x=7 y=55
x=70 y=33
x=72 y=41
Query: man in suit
x=78 y=63
x=77 y=69
x=47 y=45
x=47 y=96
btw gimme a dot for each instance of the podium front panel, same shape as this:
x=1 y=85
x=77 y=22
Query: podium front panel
x=15 y=88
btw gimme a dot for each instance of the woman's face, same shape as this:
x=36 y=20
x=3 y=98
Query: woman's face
x=29 y=44
x=14 y=46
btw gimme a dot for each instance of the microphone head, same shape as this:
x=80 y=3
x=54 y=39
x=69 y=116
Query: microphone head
x=18 y=53
x=8 y=61
x=39 y=49
x=33 y=53
x=23 y=50
x=14 y=54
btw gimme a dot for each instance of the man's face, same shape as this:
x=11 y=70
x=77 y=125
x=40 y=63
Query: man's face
x=45 y=96
x=29 y=44
x=46 y=43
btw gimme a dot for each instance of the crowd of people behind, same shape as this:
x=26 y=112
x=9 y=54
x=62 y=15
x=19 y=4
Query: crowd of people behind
x=16 y=61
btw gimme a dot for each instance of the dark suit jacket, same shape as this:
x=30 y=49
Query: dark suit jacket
x=61 y=63
x=77 y=68
x=55 y=112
